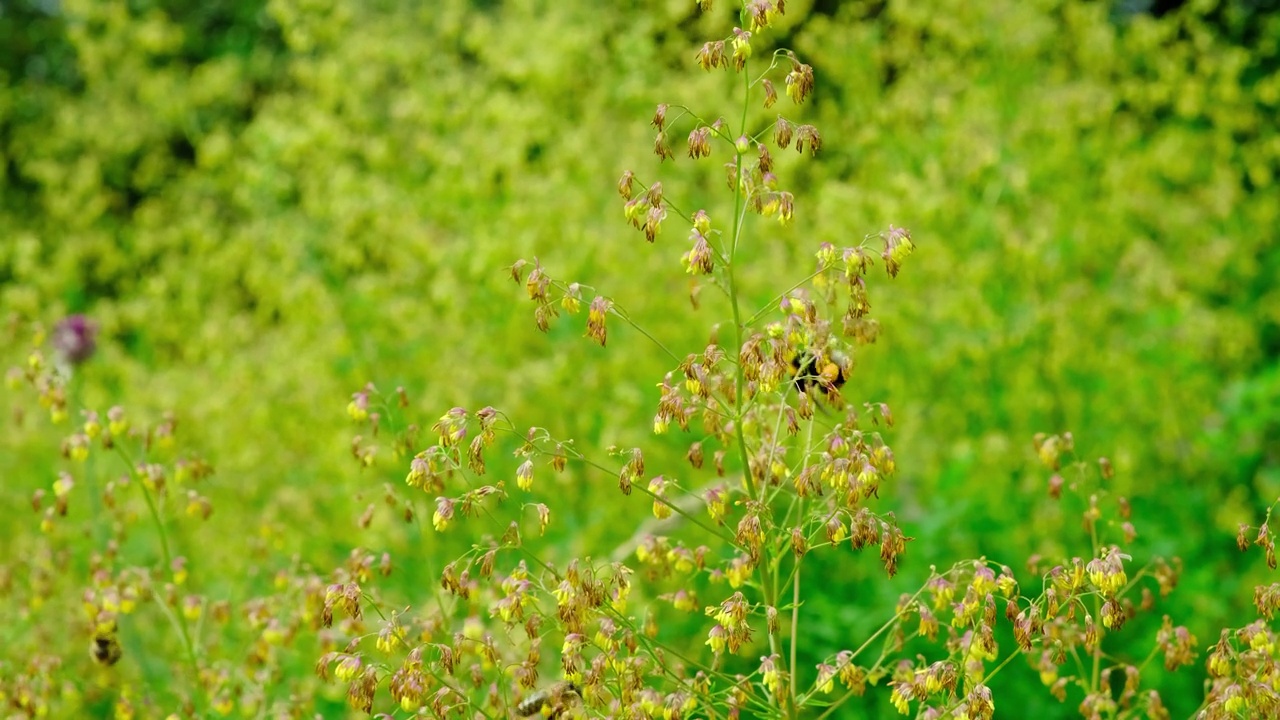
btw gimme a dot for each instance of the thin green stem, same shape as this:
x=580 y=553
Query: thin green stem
x=795 y=591
x=674 y=507
x=1095 y=676
x=177 y=618
x=101 y=529
x=739 y=385
x=795 y=627
x=773 y=304
x=739 y=391
x=627 y=319
x=429 y=559
x=420 y=512
x=769 y=570
x=573 y=454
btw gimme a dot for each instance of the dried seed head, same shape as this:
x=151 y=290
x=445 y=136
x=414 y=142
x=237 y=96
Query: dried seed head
x=712 y=55
x=782 y=132
x=626 y=184
x=799 y=82
x=807 y=137
x=596 y=316
x=765 y=163
x=662 y=146
x=770 y=93
x=660 y=116
x=699 y=259
x=700 y=142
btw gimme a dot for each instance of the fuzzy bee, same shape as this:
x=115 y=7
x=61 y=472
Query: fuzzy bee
x=550 y=702
x=105 y=647
x=826 y=371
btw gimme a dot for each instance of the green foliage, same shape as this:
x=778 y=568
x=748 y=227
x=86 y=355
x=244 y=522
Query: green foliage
x=264 y=206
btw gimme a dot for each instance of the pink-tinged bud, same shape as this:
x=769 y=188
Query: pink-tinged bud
x=660 y=116
x=524 y=475
x=625 y=184
x=897 y=247
x=701 y=222
x=712 y=55
x=700 y=143
x=596 y=315
x=661 y=147
x=699 y=259
x=741 y=48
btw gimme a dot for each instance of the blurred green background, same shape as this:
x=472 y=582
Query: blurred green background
x=265 y=205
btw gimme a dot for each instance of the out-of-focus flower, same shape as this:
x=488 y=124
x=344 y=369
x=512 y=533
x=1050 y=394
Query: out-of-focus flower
x=75 y=339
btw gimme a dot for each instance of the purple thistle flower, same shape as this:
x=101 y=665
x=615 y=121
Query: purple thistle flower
x=75 y=338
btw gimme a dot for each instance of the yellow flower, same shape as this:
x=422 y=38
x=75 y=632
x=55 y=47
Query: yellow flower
x=738 y=573
x=524 y=475
x=439 y=521
x=900 y=700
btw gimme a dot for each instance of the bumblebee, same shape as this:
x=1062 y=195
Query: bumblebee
x=105 y=647
x=827 y=371
x=550 y=702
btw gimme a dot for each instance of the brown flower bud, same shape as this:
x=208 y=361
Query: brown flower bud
x=712 y=55
x=625 y=184
x=782 y=132
x=699 y=143
x=770 y=94
x=660 y=116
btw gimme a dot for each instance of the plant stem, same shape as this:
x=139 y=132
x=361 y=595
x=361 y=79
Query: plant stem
x=177 y=618
x=795 y=625
x=1095 y=677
